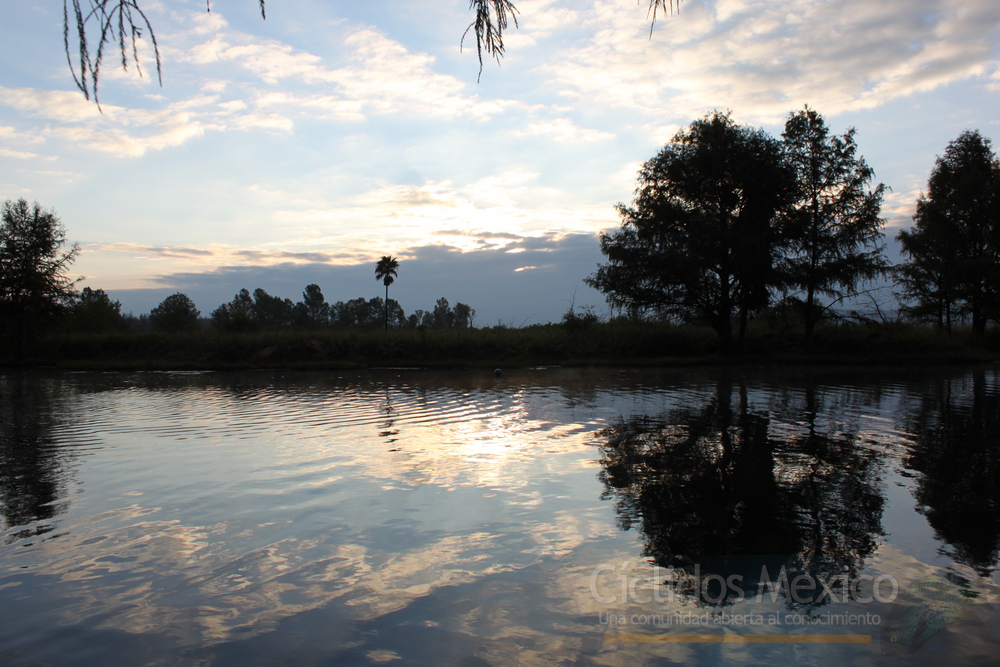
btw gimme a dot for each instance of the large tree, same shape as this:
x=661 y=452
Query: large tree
x=701 y=239
x=955 y=242
x=116 y=25
x=834 y=228
x=34 y=284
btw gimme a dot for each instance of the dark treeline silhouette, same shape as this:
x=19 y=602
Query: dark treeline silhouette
x=729 y=223
x=714 y=492
x=262 y=311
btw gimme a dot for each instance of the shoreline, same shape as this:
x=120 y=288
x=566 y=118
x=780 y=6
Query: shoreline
x=600 y=345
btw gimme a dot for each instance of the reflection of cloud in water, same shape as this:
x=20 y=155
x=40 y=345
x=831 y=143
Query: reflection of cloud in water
x=137 y=569
x=160 y=576
x=215 y=509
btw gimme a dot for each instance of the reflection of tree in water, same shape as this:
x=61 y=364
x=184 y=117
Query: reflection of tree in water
x=956 y=433
x=389 y=429
x=30 y=471
x=711 y=489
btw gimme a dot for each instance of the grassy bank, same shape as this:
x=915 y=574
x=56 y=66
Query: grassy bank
x=625 y=343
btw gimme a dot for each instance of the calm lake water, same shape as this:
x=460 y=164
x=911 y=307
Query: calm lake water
x=611 y=517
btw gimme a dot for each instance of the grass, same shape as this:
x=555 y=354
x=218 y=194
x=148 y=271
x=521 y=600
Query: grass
x=617 y=342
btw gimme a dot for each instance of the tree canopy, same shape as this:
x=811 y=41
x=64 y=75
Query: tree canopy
x=175 y=314
x=701 y=239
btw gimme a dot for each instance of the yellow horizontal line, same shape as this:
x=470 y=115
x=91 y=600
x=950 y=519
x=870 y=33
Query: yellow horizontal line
x=739 y=639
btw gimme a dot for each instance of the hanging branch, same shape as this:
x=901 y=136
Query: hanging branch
x=120 y=24
x=489 y=27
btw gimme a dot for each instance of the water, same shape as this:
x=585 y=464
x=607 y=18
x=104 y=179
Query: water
x=552 y=516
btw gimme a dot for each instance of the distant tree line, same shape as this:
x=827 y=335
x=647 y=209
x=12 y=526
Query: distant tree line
x=260 y=310
x=729 y=223
x=93 y=311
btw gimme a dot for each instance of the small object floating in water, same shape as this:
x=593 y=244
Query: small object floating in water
x=497 y=373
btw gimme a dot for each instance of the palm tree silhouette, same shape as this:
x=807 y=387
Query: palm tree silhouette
x=385 y=271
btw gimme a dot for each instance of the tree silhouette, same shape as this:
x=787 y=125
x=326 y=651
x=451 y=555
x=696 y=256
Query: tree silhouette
x=313 y=312
x=701 y=239
x=385 y=271
x=94 y=311
x=177 y=313
x=237 y=315
x=834 y=226
x=272 y=312
x=954 y=246
x=33 y=281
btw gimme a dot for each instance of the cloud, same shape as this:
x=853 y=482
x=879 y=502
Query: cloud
x=119 y=131
x=20 y=155
x=764 y=58
x=562 y=130
x=148 y=251
x=377 y=75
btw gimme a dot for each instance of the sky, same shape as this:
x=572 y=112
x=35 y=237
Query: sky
x=301 y=148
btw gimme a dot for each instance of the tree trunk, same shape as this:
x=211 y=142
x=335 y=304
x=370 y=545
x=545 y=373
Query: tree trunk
x=725 y=313
x=810 y=316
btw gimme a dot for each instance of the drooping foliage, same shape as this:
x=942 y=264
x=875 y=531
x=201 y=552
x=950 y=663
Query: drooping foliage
x=118 y=25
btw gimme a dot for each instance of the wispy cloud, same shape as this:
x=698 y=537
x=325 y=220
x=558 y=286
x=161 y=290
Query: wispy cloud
x=765 y=58
x=378 y=75
x=563 y=130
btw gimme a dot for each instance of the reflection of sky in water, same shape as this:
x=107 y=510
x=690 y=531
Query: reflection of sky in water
x=386 y=514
